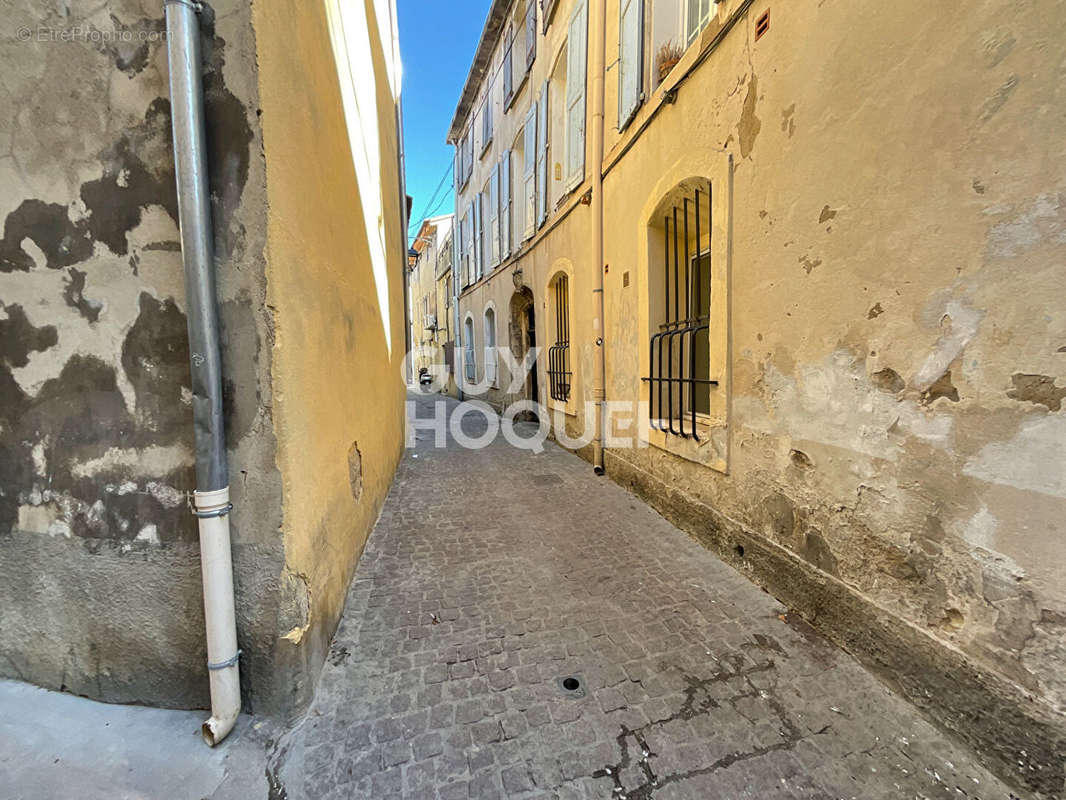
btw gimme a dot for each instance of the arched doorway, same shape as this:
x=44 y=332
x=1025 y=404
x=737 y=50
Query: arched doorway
x=523 y=337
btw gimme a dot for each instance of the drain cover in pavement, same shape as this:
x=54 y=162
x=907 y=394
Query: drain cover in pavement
x=572 y=686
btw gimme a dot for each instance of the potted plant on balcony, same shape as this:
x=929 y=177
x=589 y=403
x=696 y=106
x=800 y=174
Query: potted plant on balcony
x=666 y=59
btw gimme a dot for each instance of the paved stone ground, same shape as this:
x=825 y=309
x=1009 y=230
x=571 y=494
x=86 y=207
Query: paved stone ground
x=56 y=745
x=494 y=574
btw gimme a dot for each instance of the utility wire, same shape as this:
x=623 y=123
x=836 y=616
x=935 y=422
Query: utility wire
x=490 y=81
x=440 y=204
x=433 y=198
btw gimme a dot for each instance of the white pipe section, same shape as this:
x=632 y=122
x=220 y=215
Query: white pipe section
x=219 y=613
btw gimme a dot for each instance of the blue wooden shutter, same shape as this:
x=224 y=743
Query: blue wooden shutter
x=630 y=59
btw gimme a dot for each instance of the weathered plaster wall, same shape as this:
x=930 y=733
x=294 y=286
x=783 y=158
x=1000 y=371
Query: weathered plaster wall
x=894 y=364
x=896 y=349
x=338 y=347
x=99 y=561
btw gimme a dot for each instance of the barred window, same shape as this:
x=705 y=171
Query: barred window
x=559 y=372
x=680 y=302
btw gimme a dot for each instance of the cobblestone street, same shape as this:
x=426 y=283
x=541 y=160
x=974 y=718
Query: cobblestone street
x=496 y=576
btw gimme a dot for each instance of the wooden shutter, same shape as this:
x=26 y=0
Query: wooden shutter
x=543 y=124
x=493 y=229
x=531 y=33
x=468 y=154
x=460 y=267
x=529 y=172
x=630 y=59
x=508 y=69
x=505 y=205
x=575 y=95
x=467 y=276
x=476 y=237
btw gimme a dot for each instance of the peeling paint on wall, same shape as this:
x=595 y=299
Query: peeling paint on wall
x=1022 y=461
x=95 y=435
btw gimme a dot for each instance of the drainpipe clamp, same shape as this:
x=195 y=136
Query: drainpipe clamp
x=209 y=513
x=229 y=662
x=195 y=5
x=214 y=512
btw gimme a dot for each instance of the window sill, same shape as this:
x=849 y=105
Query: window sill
x=709 y=450
x=485 y=148
x=568 y=408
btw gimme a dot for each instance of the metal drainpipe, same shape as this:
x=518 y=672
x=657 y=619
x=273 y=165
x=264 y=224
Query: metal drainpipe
x=211 y=503
x=456 y=342
x=597 y=47
x=401 y=156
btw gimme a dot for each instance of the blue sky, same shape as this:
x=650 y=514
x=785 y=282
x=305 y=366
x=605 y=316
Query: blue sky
x=437 y=41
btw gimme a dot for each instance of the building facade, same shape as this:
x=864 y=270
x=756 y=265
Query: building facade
x=100 y=587
x=830 y=238
x=431 y=298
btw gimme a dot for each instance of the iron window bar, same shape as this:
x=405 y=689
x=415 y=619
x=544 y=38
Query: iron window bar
x=684 y=324
x=559 y=373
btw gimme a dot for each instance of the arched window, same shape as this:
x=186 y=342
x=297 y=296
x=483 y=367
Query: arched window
x=490 y=347
x=679 y=285
x=559 y=372
x=468 y=351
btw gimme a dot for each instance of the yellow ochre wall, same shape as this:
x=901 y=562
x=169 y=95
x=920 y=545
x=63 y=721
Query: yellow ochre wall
x=890 y=263
x=337 y=354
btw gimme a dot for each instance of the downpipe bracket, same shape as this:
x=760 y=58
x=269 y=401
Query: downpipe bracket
x=195 y=5
x=211 y=512
x=229 y=662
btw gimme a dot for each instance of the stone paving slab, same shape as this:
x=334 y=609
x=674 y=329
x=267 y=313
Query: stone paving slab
x=56 y=745
x=494 y=575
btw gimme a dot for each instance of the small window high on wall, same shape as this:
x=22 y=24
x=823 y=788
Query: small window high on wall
x=680 y=304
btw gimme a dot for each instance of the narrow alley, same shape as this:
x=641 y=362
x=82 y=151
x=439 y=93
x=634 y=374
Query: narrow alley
x=777 y=279
x=518 y=627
